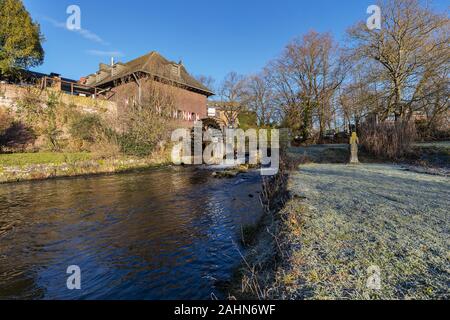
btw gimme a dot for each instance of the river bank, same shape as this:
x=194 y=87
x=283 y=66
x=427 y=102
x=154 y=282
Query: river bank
x=340 y=223
x=42 y=166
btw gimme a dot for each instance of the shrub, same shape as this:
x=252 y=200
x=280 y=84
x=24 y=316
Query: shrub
x=247 y=120
x=388 y=140
x=17 y=137
x=133 y=145
x=5 y=120
x=145 y=129
x=105 y=145
x=432 y=131
x=30 y=106
x=44 y=117
x=86 y=127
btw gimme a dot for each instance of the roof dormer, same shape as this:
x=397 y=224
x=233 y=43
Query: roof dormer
x=175 y=70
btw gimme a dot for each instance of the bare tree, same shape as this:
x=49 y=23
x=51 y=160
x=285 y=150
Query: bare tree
x=306 y=77
x=435 y=105
x=232 y=87
x=286 y=94
x=409 y=50
x=260 y=98
x=208 y=81
x=358 y=97
x=142 y=125
x=232 y=93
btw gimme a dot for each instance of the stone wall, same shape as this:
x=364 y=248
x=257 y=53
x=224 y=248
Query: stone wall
x=187 y=103
x=9 y=94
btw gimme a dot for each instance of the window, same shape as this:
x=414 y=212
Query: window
x=176 y=70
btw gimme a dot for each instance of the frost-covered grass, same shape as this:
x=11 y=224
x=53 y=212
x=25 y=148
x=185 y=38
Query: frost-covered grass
x=324 y=153
x=438 y=145
x=432 y=154
x=344 y=219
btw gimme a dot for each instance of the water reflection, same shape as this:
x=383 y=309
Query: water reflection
x=165 y=234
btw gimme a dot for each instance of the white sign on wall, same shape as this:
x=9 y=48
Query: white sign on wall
x=211 y=112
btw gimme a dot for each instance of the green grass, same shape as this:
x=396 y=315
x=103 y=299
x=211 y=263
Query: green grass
x=24 y=159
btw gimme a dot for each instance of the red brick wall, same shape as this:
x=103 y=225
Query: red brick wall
x=192 y=102
x=187 y=102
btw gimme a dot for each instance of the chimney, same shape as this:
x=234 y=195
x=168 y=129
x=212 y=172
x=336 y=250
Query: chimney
x=112 y=66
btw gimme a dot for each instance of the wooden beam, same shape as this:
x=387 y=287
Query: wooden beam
x=139 y=87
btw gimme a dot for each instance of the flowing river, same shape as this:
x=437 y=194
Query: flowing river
x=170 y=233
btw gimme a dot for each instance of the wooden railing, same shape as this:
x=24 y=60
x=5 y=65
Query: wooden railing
x=74 y=88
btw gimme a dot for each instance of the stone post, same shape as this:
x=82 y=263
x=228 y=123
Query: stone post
x=354 y=140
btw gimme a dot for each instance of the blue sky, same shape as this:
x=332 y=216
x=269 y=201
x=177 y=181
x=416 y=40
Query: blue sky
x=212 y=37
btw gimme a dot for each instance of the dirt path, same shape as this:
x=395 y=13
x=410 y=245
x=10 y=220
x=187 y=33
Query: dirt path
x=349 y=218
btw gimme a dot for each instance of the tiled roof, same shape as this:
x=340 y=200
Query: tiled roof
x=154 y=64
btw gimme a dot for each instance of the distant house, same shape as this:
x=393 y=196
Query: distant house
x=225 y=114
x=27 y=78
x=129 y=82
